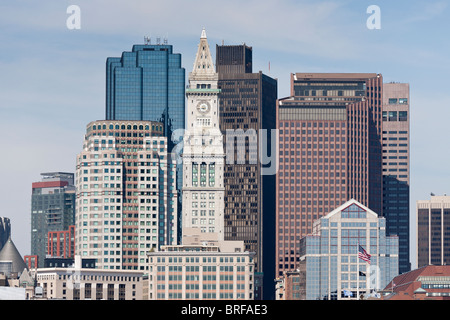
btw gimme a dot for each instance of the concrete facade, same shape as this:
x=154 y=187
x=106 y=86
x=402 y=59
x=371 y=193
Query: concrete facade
x=89 y=284
x=220 y=271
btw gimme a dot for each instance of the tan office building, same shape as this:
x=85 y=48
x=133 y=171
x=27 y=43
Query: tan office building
x=202 y=272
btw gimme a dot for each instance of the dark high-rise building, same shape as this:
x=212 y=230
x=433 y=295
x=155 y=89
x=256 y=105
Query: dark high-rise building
x=52 y=209
x=5 y=230
x=396 y=160
x=234 y=59
x=330 y=152
x=148 y=84
x=247 y=103
x=433 y=221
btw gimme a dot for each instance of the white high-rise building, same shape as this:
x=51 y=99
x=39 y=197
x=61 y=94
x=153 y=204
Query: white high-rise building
x=203 y=154
x=204 y=266
x=126 y=199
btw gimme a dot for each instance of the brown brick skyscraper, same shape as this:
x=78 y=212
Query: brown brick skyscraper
x=330 y=152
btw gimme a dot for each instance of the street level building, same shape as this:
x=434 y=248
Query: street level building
x=76 y=283
x=288 y=286
x=200 y=271
x=430 y=282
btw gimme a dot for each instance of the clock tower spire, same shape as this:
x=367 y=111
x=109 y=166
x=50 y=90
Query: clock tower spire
x=203 y=64
x=203 y=154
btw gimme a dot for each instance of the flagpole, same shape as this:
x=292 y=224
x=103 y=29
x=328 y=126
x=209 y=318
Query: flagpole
x=357 y=282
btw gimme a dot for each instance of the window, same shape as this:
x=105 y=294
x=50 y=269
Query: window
x=392 y=115
x=353 y=211
x=402 y=115
x=392 y=100
x=212 y=175
x=203 y=122
x=403 y=100
x=203 y=175
x=195 y=174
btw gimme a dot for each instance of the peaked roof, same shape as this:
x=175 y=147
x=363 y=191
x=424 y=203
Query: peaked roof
x=348 y=204
x=26 y=277
x=405 y=279
x=203 y=63
x=9 y=252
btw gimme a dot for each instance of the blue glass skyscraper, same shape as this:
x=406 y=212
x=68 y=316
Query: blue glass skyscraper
x=148 y=84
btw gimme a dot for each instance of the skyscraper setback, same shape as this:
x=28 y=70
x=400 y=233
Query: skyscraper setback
x=330 y=152
x=247 y=108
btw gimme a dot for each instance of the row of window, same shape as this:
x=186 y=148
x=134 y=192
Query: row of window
x=398 y=100
x=392 y=115
x=203 y=174
x=125 y=127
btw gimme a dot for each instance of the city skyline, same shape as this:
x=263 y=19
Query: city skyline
x=62 y=72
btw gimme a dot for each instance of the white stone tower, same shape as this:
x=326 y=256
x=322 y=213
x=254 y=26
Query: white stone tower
x=203 y=154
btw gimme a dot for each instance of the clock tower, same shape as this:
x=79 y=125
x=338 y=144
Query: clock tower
x=203 y=154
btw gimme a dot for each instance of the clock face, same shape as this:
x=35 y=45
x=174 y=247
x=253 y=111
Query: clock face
x=203 y=107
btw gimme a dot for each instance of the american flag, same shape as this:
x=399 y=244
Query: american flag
x=362 y=254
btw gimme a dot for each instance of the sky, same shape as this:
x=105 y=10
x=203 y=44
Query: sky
x=52 y=77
